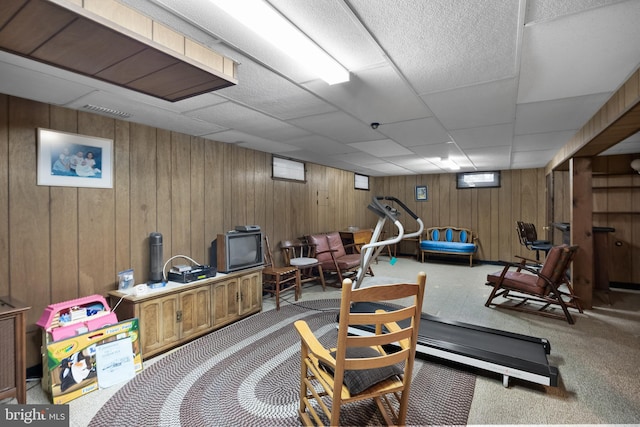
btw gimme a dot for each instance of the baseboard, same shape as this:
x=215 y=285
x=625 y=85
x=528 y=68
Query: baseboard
x=624 y=285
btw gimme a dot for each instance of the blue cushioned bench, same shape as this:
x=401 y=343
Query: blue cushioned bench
x=449 y=241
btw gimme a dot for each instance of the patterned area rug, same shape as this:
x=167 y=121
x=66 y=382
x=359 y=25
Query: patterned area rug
x=248 y=374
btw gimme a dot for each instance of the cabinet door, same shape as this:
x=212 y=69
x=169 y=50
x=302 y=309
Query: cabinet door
x=195 y=311
x=250 y=293
x=158 y=325
x=224 y=300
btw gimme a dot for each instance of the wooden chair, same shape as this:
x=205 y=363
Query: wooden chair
x=333 y=256
x=303 y=255
x=546 y=288
x=359 y=367
x=276 y=280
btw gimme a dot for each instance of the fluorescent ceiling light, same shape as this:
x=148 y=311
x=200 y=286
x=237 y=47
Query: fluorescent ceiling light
x=451 y=165
x=261 y=18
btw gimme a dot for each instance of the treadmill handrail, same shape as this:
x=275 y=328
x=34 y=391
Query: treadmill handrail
x=410 y=212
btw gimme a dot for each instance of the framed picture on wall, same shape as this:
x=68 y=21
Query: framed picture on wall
x=72 y=160
x=421 y=192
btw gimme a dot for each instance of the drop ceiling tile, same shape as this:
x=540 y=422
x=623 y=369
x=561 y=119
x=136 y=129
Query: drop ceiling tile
x=411 y=133
x=26 y=83
x=338 y=126
x=321 y=145
x=531 y=159
x=343 y=39
x=374 y=95
x=580 y=54
x=558 y=114
x=473 y=106
x=486 y=136
x=541 y=141
x=443 y=151
x=274 y=95
x=442 y=44
x=381 y=148
x=544 y=10
x=490 y=158
x=361 y=159
x=235 y=116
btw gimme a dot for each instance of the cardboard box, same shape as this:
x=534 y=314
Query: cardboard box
x=71 y=370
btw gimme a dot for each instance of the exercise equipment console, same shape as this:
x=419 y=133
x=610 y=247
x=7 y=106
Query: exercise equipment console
x=505 y=353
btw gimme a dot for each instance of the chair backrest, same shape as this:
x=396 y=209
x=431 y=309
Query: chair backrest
x=326 y=244
x=556 y=264
x=292 y=249
x=531 y=235
x=392 y=326
x=268 y=255
x=520 y=231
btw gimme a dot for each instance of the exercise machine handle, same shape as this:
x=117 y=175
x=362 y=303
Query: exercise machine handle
x=407 y=210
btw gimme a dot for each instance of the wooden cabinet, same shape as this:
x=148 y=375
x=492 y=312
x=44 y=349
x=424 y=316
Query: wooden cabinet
x=175 y=314
x=250 y=293
x=236 y=297
x=13 y=368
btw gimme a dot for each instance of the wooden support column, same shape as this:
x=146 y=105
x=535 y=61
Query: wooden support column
x=582 y=271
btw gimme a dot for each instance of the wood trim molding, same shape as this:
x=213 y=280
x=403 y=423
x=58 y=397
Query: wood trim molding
x=618 y=119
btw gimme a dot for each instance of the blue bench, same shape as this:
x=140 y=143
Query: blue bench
x=449 y=241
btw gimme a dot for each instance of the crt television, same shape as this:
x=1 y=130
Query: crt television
x=236 y=250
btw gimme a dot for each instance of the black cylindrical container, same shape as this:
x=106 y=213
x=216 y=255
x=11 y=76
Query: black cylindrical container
x=155 y=258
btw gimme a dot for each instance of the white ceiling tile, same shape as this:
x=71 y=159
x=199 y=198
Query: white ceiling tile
x=274 y=95
x=557 y=114
x=338 y=126
x=541 y=141
x=474 y=106
x=531 y=159
x=442 y=44
x=374 y=95
x=381 y=148
x=411 y=133
x=585 y=53
x=486 y=136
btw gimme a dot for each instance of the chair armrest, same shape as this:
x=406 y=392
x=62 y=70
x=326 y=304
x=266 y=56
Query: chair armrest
x=311 y=342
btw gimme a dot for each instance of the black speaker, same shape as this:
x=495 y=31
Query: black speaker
x=213 y=255
x=155 y=257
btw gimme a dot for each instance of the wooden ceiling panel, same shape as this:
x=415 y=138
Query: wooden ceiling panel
x=137 y=66
x=8 y=8
x=87 y=48
x=69 y=38
x=209 y=86
x=32 y=26
x=164 y=81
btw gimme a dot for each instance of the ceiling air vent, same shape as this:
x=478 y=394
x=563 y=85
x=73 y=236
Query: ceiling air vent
x=107 y=111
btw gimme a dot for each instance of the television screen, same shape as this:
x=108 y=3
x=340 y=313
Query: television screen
x=243 y=249
x=236 y=251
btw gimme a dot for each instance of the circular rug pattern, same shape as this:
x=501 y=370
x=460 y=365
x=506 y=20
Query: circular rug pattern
x=248 y=373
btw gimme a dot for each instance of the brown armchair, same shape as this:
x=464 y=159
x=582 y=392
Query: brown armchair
x=547 y=287
x=333 y=257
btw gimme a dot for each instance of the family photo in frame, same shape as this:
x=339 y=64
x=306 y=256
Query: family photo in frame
x=72 y=160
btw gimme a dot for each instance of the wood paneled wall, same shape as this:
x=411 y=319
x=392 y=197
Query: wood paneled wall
x=490 y=212
x=61 y=243
x=616 y=203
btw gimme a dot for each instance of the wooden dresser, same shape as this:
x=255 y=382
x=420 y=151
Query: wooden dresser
x=13 y=362
x=177 y=313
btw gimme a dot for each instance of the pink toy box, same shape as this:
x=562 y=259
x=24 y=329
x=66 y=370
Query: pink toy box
x=75 y=317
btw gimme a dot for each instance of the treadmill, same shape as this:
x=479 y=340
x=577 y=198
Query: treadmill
x=505 y=353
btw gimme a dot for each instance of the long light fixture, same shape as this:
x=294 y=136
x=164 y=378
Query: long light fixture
x=262 y=19
x=450 y=164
